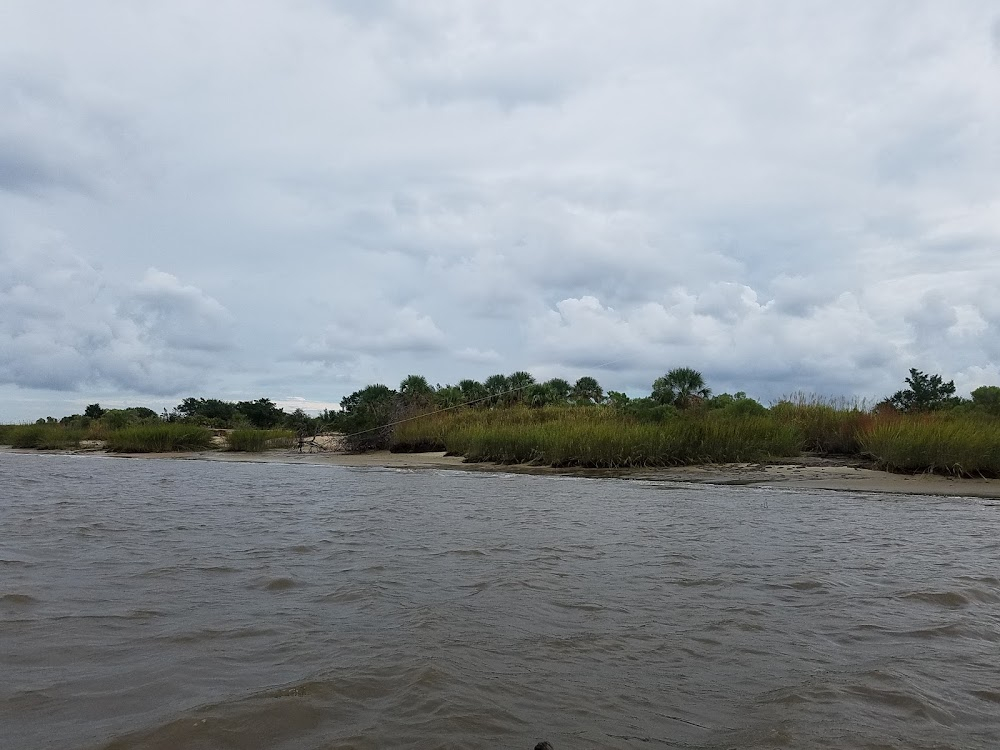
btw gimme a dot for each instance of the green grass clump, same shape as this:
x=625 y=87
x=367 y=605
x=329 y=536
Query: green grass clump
x=825 y=426
x=43 y=436
x=596 y=438
x=255 y=441
x=159 y=438
x=5 y=431
x=943 y=444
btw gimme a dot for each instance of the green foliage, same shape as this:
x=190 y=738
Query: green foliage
x=587 y=390
x=618 y=400
x=255 y=441
x=648 y=410
x=416 y=391
x=262 y=413
x=496 y=387
x=94 y=411
x=159 y=438
x=680 y=387
x=365 y=418
x=926 y=393
x=940 y=443
x=473 y=392
x=518 y=384
x=987 y=399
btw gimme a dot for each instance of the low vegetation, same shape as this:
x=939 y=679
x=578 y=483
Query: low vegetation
x=254 y=441
x=960 y=445
x=159 y=438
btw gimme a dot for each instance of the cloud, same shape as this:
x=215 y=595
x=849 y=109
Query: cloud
x=63 y=326
x=380 y=331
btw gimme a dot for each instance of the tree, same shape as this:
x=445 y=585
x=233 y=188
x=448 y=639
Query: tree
x=474 y=393
x=618 y=400
x=416 y=391
x=987 y=398
x=94 y=411
x=517 y=385
x=559 y=390
x=448 y=396
x=926 y=393
x=680 y=387
x=587 y=390
x=262 y=413
x=496 y=386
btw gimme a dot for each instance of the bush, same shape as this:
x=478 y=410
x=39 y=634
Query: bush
x=159 y=438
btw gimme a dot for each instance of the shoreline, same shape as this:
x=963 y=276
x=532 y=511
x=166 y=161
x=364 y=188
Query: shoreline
x=806 y=472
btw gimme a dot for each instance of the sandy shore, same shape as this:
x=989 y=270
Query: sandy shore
x=807 y=472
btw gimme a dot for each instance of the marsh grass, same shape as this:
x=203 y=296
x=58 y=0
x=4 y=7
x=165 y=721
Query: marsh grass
x=940 y=443
x=596 y=438
x=41 y=436
x=159 y=438
x=825 y=427
x=255 y=441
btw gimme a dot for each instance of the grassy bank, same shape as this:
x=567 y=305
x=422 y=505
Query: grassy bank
x=954 y=444
x=595 y=438
x=255 y=441
x=159 y=438
x=943 y=444
x=40 y=436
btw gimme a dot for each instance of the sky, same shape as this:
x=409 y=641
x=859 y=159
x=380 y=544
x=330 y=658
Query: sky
x=297 y=198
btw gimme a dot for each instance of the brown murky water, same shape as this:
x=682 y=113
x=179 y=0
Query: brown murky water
x=184 y=604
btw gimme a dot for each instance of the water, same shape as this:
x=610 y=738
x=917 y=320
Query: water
x=187 y=604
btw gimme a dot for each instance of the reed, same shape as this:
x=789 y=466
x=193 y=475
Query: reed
x=42 y=436
x=255 y=441
x=940 y=443
x=825 y=427
x=159 y=438
x=596 y=438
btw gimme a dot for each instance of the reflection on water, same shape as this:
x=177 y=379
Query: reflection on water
x=178 y=604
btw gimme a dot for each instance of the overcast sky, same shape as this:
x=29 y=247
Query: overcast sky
x=296 y=198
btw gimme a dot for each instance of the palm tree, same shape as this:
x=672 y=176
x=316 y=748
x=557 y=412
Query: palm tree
x=496 y=386
x=680 y=387
x=587 y=390
x=517 y=384
x=559 y=390
x=416 y=391
x=474 y=393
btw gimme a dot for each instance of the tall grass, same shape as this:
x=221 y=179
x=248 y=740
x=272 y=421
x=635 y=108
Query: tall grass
x=159 y=438
x=940 y=443
x=41 y=436
x=255 y=441
x=596 y=438
x=825 y=427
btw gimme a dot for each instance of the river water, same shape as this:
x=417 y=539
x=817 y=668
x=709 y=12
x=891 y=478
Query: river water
x=191 y=604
